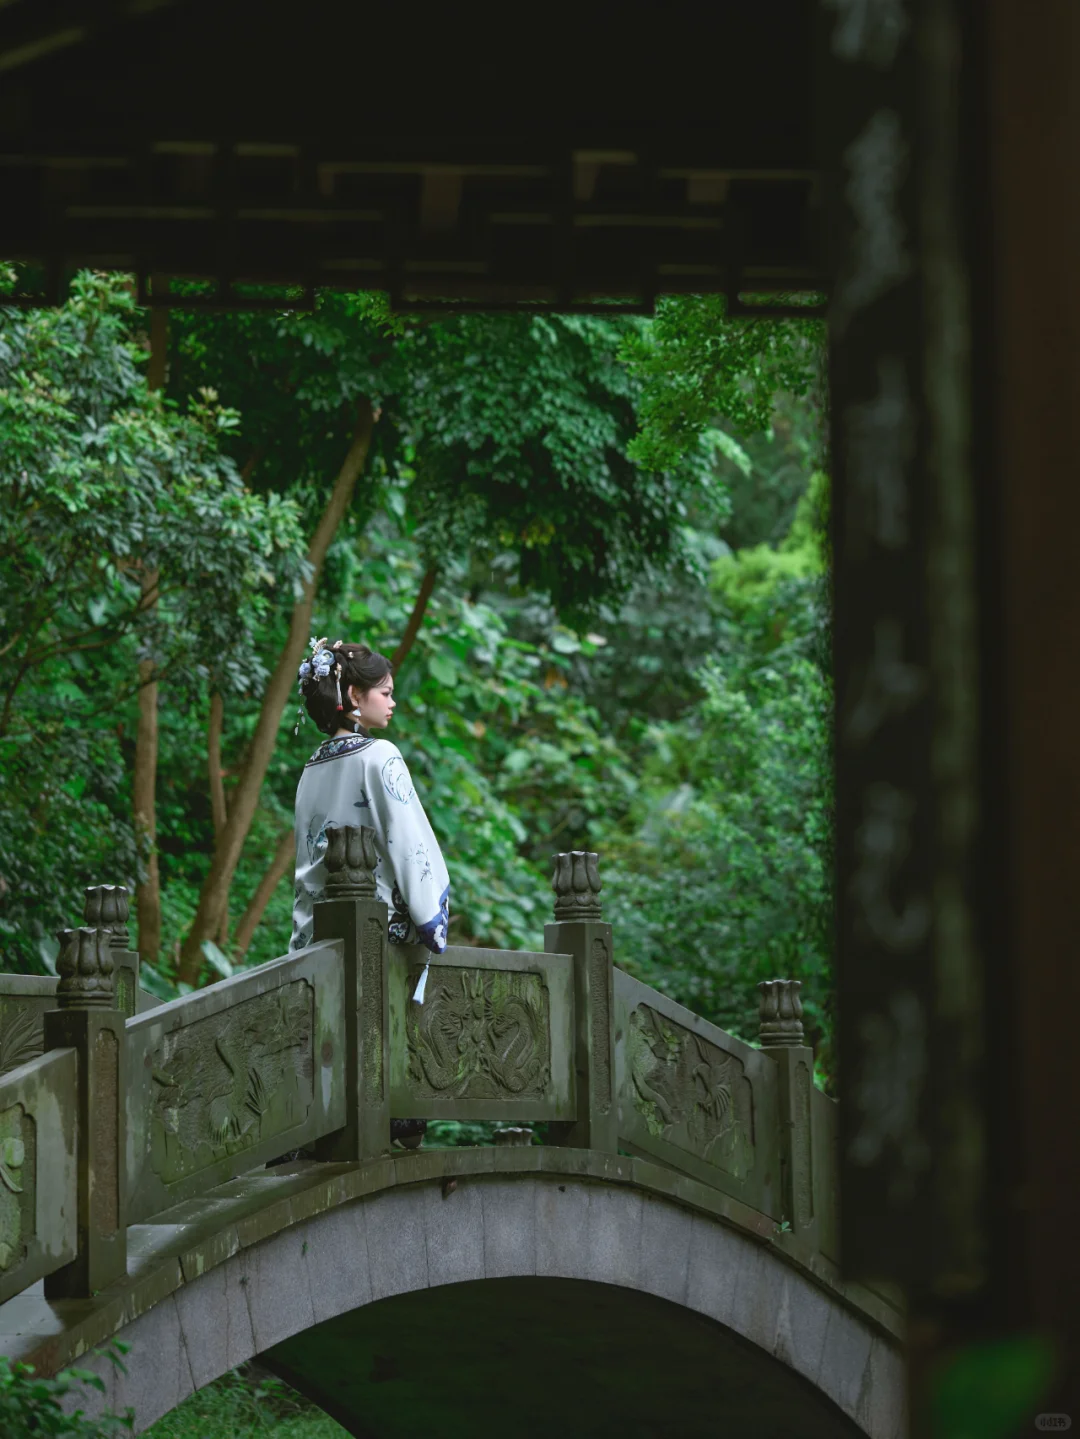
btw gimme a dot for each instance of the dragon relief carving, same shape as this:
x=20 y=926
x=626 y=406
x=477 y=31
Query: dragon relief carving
x=22 y=1032
x=18 y=1200
x=224 y=1083
x=480 y=1034
x=689 y=1092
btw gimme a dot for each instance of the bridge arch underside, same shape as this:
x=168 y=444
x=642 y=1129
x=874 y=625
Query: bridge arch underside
x=540 y=1356
x=542 y=1302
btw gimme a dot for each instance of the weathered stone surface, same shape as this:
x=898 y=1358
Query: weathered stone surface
x=882 y=1408
x=843 y=1360
x=614 y=1235
x=273 y=1269
x=715 y=1256
x=665 y=1249
x=410 y=1238
x=801 y=1319
x=562 y=1238
x=455 y=1233
x=397 y=1243
x=335 y=1252
x=158 y=1376
x=216 y=1321
x=509 y=1228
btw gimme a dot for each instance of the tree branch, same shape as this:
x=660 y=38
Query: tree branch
x=281 y=864
x=214 y=897
x=416 y=619
x=213 y=762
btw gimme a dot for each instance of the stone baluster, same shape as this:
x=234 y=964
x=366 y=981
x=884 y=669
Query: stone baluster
x=781 y=1033
x=579 y=930
x=350 y=911
x=88 y=1021
x=106 y=906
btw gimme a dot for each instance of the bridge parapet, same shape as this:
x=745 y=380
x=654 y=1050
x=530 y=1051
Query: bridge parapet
x=115 y=1108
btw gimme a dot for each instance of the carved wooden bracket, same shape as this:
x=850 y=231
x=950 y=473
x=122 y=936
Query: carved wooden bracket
x=780 y=1013
x=577 y=886
x=85 y=968
x=350 y=862
x=106 y=906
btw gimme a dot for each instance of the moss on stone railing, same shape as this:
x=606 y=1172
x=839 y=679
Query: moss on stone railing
x=114 y=1107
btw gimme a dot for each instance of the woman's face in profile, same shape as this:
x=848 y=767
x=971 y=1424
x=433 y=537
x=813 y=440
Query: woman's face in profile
x=376 y=705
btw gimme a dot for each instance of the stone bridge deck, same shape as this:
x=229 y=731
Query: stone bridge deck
x=686 y=1171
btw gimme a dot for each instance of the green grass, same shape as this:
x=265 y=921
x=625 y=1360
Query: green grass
x=244 y=1404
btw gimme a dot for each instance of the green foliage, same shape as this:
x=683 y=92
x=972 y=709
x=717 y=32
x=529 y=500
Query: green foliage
x=698 y=368
x=243 y=1404
x=513 y=432
x=102 y=486
x=30 y=1406
x=722 y=876
x=626 y=647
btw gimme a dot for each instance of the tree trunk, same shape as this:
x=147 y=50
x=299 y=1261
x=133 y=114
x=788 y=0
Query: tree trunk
x=217 y=790
x=144 y=778
x=416 y=619
x=282 y=864
x=245 y=797
x=213 y=763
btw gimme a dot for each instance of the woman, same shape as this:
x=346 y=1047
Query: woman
x=354 y=778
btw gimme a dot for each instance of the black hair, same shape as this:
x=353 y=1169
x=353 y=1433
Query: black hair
x=360 y=666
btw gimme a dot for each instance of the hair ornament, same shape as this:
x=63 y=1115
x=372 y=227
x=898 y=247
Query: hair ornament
x=318 y=665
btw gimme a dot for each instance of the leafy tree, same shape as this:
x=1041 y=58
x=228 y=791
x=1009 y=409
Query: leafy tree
x=722 y=876
x=510 y=434
x=101 y=483
x=699 y=369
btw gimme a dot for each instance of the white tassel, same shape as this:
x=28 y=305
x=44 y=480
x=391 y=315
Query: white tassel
x=418 y=992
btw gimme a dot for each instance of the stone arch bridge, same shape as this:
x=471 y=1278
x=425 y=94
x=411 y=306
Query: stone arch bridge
x=665 y=1263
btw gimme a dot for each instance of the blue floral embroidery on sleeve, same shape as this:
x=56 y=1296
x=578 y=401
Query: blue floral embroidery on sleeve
x=433 y=933
x=396 y=781
x=400 y=921
x=316 y=840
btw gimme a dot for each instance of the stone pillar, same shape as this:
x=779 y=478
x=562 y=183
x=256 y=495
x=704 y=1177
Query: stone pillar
x=106 y=907
x=88 y=1021
x=781 y=1034
x=349 y=911
x=578 y=930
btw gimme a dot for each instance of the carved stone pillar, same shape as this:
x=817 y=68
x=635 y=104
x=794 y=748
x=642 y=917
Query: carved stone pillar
x=579 y=930
x=781 y=1033
x=350 y=911
x=106 y=906
x=88 y=1021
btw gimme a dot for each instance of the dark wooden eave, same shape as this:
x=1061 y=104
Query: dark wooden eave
x=478 y=155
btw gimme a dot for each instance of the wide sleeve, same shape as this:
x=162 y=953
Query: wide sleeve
x=421 y=881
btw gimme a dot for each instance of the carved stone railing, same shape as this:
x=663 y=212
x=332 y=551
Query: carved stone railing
x=25 y=998
x=695 y=1098
x=115 y=1107
x=232 y=1076
x=493 y=1039
x=38 y=1160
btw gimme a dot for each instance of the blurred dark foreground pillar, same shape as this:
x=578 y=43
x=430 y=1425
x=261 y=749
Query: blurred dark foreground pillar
x=950 y=137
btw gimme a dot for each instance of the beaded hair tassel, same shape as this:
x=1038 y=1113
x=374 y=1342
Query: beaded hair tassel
x=337 y=677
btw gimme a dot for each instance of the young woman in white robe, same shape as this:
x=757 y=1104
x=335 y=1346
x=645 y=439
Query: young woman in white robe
x=356 y=777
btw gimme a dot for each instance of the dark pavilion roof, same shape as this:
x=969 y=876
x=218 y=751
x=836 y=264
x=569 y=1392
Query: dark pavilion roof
x=471 y=153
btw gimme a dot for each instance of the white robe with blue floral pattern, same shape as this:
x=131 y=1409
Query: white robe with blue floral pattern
x=357 y=780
